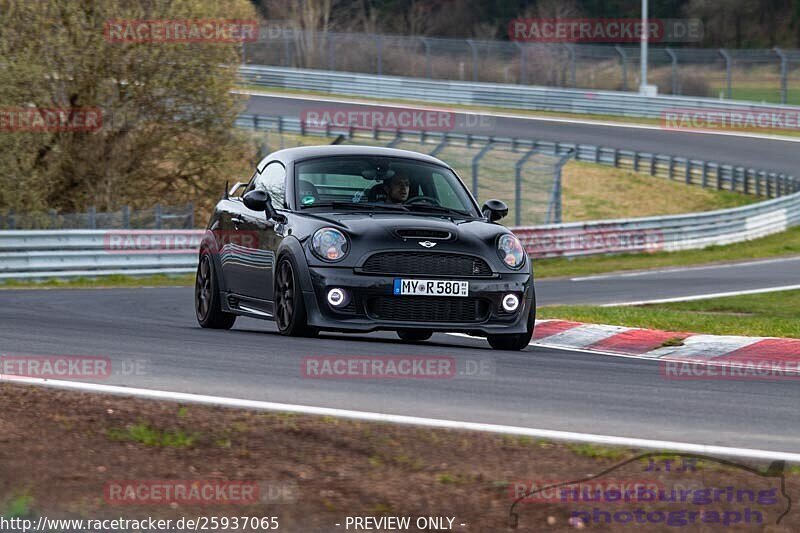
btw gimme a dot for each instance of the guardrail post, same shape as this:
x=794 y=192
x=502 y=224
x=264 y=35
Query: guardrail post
x=12 y=221
x=688 y=175
x=190 y=219
x=759 y=191
x=674 y=57
x=652 y=164
x=671 y=170
x=784 y=70
x=126 y=216
x=91 y=215
x=441 y=146
x=778 y=184
x=728 y=72
x=636 y=161
x=255 y=122
x=475 y=160
x=705 y=174
x=597 y=151
x=157 y=214
x=280 y=125
x=616 y=157
x=746 y=183
x=474 y=59
x=623 y=58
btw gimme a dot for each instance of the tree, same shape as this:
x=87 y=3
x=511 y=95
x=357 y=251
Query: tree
x=167 y=111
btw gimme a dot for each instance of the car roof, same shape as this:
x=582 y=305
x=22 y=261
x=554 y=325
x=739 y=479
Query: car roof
x=308 y=152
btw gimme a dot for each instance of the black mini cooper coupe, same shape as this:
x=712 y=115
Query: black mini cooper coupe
x=357 y=239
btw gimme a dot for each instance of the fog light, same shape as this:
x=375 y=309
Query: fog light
x=338 y=297
x=510 y=302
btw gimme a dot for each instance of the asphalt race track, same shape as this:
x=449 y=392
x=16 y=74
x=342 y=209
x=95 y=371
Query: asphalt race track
x=537 y=388
x=761 y=153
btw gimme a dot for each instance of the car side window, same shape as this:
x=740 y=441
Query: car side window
x=273 y=181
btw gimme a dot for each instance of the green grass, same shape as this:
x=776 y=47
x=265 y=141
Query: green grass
x=761 y=94
x=19 y=507
x=773 y=314
x=149 y=436
x=116 y=280
x=779 y=244
x=595 y=451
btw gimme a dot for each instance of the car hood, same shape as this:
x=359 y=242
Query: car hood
x=383 y=231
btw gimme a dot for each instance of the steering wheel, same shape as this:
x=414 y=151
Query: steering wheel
x=422 y=199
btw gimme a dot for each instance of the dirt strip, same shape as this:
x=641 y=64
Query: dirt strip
x=69 y=454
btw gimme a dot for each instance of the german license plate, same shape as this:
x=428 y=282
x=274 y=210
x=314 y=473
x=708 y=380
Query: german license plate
x=430 y=287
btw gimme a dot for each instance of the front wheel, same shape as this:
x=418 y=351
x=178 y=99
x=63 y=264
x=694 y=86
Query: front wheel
x=290 y=309
x=207 y=303
x=515 y=341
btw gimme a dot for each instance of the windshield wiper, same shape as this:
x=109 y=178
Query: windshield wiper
x=440 y=209
x=358 y=206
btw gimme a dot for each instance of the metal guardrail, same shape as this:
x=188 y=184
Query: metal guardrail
x=617 y=103
x=708 y=174
x=35 y=254
x=74 y=253
x=157 y=217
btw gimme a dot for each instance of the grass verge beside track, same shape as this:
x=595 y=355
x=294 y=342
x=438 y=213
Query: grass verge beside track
x=67 y=455
x=773 y=314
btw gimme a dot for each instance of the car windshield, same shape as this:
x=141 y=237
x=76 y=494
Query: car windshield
x=379 y=184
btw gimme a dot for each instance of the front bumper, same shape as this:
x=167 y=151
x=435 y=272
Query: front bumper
x=374 y=307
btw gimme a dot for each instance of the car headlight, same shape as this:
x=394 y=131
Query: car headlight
x=329 y=244
x=511 y=251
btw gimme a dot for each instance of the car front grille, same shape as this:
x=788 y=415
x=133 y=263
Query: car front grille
x=428 y=309
x=426 y=263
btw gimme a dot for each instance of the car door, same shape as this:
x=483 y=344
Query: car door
x=259 y=236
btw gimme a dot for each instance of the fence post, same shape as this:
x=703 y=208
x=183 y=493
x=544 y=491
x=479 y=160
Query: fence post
x=784 y=73
x=518 y=185
x=190 y=219
x=674 y=57
x=157 y=215
x=331 y=56
x=126 y=216
x=12 y=222
x=728 y=73
x=287 y=55
x=523 y=71
x=475 y=161
x=623 y=58
x=427 y=46
x=92 y=219
x=571 y=51
x=474 y=59
x=379 y=47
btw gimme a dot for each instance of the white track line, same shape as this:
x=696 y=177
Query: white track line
x=671 y=270
x=583 y=122
x=409 y=420
x=705 y=296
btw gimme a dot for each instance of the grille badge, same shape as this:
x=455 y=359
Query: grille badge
x=427 y=244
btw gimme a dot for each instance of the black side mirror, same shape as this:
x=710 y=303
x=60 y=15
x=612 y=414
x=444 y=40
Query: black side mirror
x=494 y=210
x=257 y=200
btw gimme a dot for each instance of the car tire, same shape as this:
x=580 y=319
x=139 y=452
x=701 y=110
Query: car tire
x=515 y=341
x=207 y=304
x=290 y=309
x=414 y=335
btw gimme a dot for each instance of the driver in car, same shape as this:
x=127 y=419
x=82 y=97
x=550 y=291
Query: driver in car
x=397 y=188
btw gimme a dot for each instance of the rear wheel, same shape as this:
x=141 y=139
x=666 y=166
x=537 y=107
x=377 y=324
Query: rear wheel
x=414 y=335
x=207 y=303
x=515 y=341
x=290 y=310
